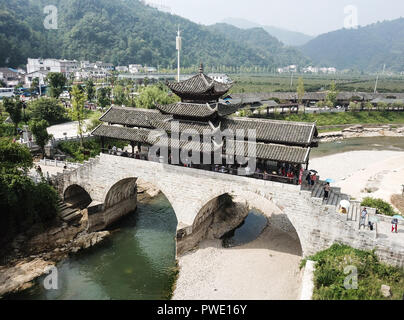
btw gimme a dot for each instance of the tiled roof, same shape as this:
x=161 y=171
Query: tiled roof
x=282 y=132
x=272 y=152
x=198 y=84
x=196 y=110
x=191 y=110
x=228 y=109
x=154 y=137
x=133 y=116
x=122 y=133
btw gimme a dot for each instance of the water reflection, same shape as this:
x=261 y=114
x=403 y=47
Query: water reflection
x=248 y=231
x=135 y=263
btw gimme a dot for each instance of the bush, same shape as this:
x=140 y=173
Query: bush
x=48 y=109
x=329 y=275
x=382 y=206
x=91 y=148
x=22 y=202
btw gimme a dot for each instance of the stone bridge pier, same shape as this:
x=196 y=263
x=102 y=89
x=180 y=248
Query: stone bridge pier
x=107 y=185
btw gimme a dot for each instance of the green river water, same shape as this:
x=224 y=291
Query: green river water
x=138 y=260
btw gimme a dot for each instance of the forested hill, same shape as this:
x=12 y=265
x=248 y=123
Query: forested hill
x=265 y=45
x=366 y=48
x=120 y=32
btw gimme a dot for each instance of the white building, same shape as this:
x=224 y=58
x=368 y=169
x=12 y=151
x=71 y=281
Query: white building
x=10 y=77
x=220 y=77
x=122 y=69
x=135 y=68
x=67 y=67
x=288 y=69
x=41 y=75
x=310 y=69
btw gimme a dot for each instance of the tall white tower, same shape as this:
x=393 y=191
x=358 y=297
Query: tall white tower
x=179 y=46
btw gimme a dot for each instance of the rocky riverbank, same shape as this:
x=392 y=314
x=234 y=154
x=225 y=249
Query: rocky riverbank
x=31 y=254
x=363 y=131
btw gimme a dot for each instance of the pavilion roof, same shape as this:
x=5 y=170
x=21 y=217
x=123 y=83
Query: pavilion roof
x=199 y=87
x=198 y=110
x=274 y=152
x=133 y=116
x=280 y=132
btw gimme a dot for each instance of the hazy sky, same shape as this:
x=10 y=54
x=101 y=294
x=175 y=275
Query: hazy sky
x=309 y=16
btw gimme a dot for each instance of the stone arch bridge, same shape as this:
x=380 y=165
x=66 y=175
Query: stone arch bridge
x=107 y=186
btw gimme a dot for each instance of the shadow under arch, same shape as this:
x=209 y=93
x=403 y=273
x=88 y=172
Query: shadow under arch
x=77 y=197
x=122 y=196
x=276 y=216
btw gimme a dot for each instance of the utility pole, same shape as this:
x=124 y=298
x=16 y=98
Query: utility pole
x=377 y=80
x=179 y=47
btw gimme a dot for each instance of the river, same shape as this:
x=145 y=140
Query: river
x=138 y=260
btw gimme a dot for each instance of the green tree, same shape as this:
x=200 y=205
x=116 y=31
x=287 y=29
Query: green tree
x=152 y=95
x=90 y=90
x=77 y=112
x=34 y=85
x=332 y=94
x=103 y=97
x=14 y=108
x=14 y=155
x=49 y=109
x=56 y=82
x=300 y=89
x=41 y=135
x=119 y=95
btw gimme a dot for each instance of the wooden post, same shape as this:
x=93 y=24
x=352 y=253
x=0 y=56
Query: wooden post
x=132 y=144
x=102 y=144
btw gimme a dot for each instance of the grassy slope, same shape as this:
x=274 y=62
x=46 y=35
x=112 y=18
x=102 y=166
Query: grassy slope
x=329 y=275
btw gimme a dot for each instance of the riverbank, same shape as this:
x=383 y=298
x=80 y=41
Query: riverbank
x=361 y=131
x=376 y=174
x=31 y=254
x=266 y=268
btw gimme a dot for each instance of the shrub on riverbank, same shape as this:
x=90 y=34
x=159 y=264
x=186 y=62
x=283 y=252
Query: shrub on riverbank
x=22 y=202
x=382 y=206
x=91 y=148
x=343 y=118
x=329 y=275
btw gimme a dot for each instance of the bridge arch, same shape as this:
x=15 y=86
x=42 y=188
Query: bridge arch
x=124 y=188
x=77 y=196
x=268 y=207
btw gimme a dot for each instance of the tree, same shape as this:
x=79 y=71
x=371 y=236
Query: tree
x=22 y=202
x=14 y=155
x=152 y=95
x=119 y=95
x=41 y=135
x=14 y=108
x=90 y=90
x=77 y=111
x=48 y=109
x=300 y=90
x=103 y=97
x=57 y=82
x=34 y=85
x=332 y=95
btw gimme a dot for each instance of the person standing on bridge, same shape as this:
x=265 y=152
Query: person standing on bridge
x=327 y=189
x=363 y=218
x=394 y=225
